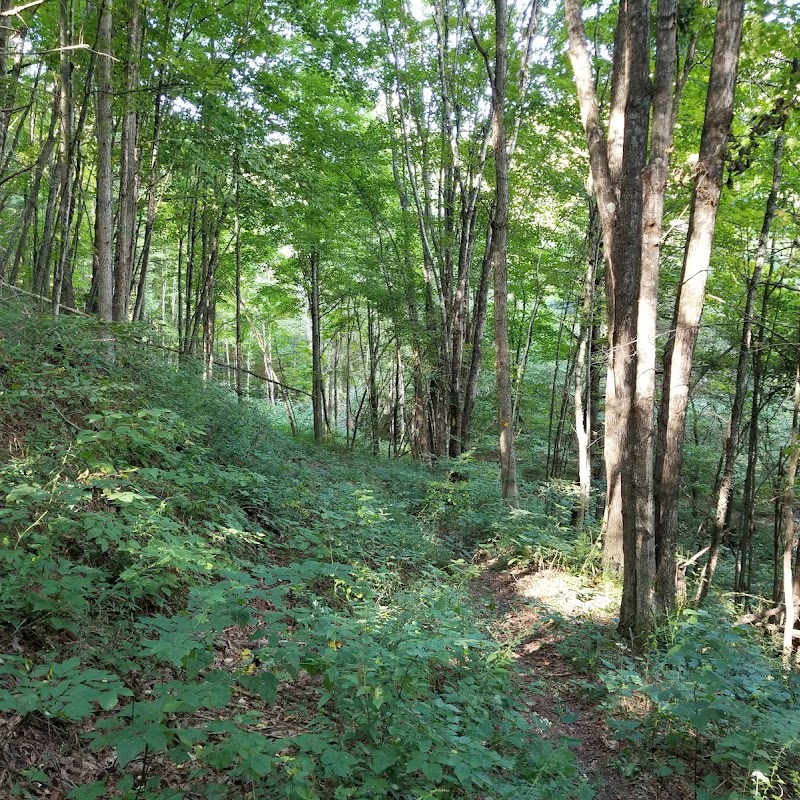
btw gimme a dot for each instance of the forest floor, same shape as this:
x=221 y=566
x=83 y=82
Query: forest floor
x=189 y=598
x=535 y=612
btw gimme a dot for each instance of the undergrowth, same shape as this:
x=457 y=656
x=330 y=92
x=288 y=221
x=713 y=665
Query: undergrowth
x=705 y=704
x=193 y=605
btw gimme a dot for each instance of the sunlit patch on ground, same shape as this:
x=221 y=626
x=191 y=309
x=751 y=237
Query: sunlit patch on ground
x=568 y=595
x=555 y=621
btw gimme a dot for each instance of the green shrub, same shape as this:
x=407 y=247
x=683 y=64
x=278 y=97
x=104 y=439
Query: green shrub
x=177 y=574
x=715 y=696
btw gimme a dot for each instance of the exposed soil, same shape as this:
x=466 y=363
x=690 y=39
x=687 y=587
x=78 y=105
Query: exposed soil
x=533 y=612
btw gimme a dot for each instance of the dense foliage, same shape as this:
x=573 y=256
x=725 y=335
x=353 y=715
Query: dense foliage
x=209 y=605
x=437 y=236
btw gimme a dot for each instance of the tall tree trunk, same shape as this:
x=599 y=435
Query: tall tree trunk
x=398 y=410
x=597 y=356
x=41 y=267
x=632 y=310
x=179 y=293
x=152 y=187
x=209 y=327
x=287 y=401
x=419 y=438
x=191 y=254
x=13 y=39
x=264 y=342
x=559 y=442
x=777 y=528
x=630 y=205
x=79 y=209
x=730 y=441
x=42 y=162
x=651 y=548
x=316 y=347
x=230 y=381
x=104 y=208
x=743 y=572
x=373 y=343
x=583 y=410
x=790 y=579
x=65 y=148
x=238 y=255
x=205 y=295
x=128 y=181
x=476 y=332
x=689 y=304
x=347 y=381
x=606 y=165
x=551 y=416
x=6 y=31
x=508 y=456
x=333 y=384
x=522 y=363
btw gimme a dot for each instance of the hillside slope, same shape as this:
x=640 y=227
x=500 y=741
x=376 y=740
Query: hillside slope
x=194 y=605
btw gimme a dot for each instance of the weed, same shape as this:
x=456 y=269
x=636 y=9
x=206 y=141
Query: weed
x=216 y=606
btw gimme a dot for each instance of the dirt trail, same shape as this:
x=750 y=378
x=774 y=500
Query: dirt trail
x=534 y=611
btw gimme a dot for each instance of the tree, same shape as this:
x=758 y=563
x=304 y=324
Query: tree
x=681 y=341
x=129 y=173
x=630 y=215
x=104 y=204
x=505 y=417
x=729 y=446
x=441 y=134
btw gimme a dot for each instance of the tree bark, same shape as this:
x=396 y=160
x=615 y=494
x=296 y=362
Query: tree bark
x=559 y=442
x=616 y=176
x=65 y=148
x=104 y=208
x=128 y=181
x=732 y=430
x=583 y=410
x=789 y=578
x=601 y=157
x=316 y=347
x=152 y=186
x=447 y=224
x=522 y=363
x=630 y=188
x=661 y=552
x=5 y=37
x=42 y=162
x=238 y=257
x=475 y=333
x=549 y=461
x=373 y=343
x=689 y=304
x=508 y=456
x=632 y=310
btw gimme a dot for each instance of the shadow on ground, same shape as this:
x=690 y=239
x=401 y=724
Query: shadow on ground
x=554 y=621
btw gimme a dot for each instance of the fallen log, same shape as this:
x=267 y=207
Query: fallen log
x=758 y=616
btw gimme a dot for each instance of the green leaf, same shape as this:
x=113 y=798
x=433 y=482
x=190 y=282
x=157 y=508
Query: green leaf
x=463 y=772
x=432 y=770
x=338 y=763
x=128 y=749
x=91 y=791
x=385 y=757
x=259 y=763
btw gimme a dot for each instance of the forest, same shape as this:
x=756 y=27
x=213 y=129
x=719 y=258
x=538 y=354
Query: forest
x=400 y=399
